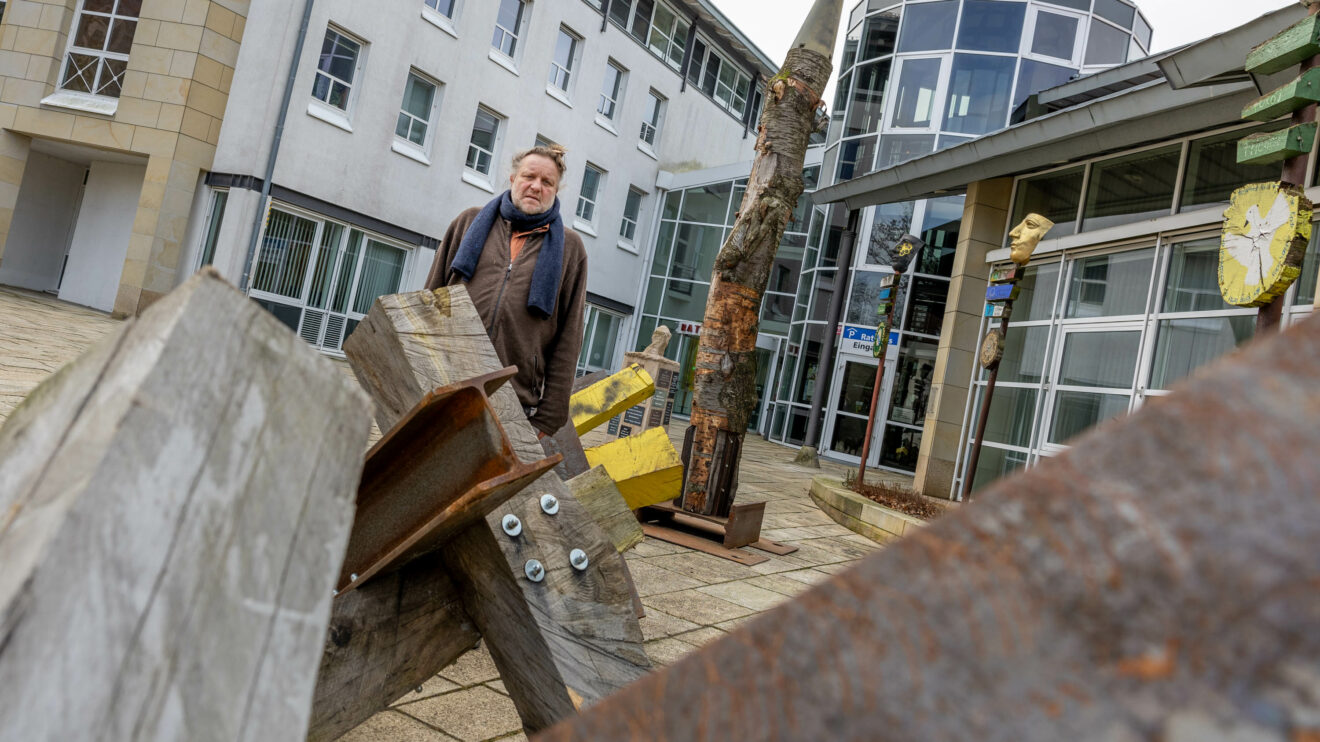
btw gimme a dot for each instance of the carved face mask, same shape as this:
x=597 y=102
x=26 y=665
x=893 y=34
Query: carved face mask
x=1025 y=236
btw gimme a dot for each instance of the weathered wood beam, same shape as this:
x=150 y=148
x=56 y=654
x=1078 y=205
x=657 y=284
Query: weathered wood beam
x=577 y=633
x=599 y=495
x=645 y=467
x=590 y=407
x=1157 y=581
x=175 y=506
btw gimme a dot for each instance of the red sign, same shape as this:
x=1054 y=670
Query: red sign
x=689 y=328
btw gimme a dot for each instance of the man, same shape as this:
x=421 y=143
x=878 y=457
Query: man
x=527 y=275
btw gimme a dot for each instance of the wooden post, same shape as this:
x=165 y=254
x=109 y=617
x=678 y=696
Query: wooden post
x=725 y=396
x=176 y=503
x=571 y=635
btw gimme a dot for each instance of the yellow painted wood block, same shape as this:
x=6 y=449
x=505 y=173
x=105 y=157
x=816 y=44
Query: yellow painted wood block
x=609 y=397
x=645 y=467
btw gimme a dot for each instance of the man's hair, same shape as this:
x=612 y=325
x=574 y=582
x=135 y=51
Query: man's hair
x=553 y=152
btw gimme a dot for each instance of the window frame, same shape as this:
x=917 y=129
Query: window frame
x=657 y=104
x=628 y=224
x=556 y=89
x=1079 y=41
x=937 y=105
x=517 y=34
x=300 y=302
x=613 y=97
x=470 y=173
x=439 y=19
x=338 y=116
x=428 y=137
x=102 y=55
x=588 y=222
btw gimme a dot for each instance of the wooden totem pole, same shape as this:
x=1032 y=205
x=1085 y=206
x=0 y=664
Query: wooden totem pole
x=725 y=381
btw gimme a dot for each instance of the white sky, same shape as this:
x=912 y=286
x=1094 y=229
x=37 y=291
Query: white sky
x=773 y=24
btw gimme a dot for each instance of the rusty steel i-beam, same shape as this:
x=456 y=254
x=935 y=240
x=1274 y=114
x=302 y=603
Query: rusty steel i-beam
x=1158 y=581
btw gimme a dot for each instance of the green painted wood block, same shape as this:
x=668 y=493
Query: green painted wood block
x=1299 y=93
x=1300 y=41
x=1262 y=149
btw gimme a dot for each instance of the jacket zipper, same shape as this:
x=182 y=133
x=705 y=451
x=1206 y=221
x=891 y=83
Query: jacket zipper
x=495 y=318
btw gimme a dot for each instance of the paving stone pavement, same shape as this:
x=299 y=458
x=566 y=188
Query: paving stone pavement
x=690 y=598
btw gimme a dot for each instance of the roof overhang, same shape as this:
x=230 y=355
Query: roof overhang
x=1220 y=58
x=1139 y=116
x=717 y=24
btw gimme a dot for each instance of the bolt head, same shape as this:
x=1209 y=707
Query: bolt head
x=511 y=525
x=534 y=571
x=578 y=558
x=550 y=504
x=352 y=577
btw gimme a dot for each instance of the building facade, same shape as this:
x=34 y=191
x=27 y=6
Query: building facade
x=1135 y=166
x=397 y=118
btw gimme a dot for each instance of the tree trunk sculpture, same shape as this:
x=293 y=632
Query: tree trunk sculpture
x=725 y=379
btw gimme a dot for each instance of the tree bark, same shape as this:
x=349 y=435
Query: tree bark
x=725 y=379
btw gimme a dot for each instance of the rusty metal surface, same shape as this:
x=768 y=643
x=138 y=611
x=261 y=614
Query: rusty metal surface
x=1158 y=581
x=444 y=466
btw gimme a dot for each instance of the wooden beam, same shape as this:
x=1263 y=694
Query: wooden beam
x=1301 y=92
x=175 y=505
x=598 y=494
x=1299 y=42
x=583 y=638
x=601 y=401
x=1275 y=146
x=645 y=467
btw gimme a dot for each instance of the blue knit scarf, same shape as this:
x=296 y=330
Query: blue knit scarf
x=549 y=262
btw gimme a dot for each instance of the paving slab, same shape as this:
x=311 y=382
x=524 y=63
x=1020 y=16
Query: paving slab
x=472 y=714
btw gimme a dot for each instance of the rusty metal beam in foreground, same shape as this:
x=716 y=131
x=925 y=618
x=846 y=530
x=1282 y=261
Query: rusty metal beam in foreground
x=1159 y=581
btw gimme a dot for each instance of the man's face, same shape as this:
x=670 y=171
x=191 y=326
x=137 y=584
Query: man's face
x=534 y=184
x=1025 y=237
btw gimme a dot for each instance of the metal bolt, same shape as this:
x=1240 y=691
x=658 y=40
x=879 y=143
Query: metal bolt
x=511 y=525
x=352 y=577
x=535 y=572
x=550 y=504
x=578 y=558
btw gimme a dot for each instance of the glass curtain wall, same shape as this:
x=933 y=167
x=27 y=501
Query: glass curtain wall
x=916 y=77
x=1094 y=335
x=694 y=222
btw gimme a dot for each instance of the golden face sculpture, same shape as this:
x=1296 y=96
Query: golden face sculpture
x=1025 y=236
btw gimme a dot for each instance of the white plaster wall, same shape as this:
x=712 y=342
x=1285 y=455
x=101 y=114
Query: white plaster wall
x=359 y=171
x=43 y=217
x=100 y=239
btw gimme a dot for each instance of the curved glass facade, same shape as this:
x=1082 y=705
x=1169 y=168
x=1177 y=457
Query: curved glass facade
x=916 y=77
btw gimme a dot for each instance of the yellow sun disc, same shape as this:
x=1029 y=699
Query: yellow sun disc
x=1266 y=229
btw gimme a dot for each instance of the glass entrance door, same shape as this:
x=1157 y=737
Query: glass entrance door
x=1094 y=379
x=856 y=376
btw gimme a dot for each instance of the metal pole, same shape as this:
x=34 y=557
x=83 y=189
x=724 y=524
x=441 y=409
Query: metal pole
x=824 y=376
x=875 y=390
x=970 y=471
x=1269 y=318
x=260 y=218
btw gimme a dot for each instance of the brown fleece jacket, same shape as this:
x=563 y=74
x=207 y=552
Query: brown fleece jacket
x=545 y=350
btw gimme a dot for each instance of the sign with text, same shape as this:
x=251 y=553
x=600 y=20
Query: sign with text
x=857 y=339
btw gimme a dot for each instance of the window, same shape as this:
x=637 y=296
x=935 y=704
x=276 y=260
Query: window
x=632 y=208
x=320 y=277
x=719 y=78
x=1054 y=196
x=443 y=7
x=612 y=90
x=1213 y=171
x=1055 y=36
x=668 y=36
x=213 y=221
x=655 y=105
x=414 y=124
x=586 y=205
x=566 y=52
x=99 y=45
x=914 y=98
x=335 y=69
x=991 y=26
x=1106 y=44
x=1131 y=188
x=508 y=27
x=980 y=87
x=928 y=26
x=600 y=336
x=481 y=147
